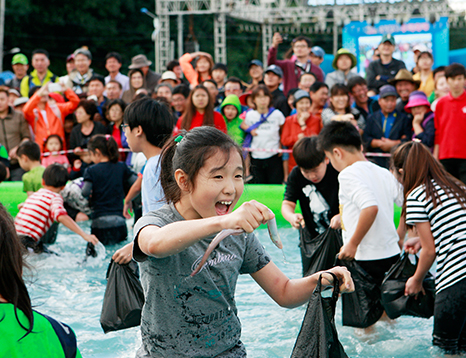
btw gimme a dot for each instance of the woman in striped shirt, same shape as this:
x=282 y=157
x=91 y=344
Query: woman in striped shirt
x=435 y=202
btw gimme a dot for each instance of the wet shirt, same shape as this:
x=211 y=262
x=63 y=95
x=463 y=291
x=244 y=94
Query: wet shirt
x=194 y=316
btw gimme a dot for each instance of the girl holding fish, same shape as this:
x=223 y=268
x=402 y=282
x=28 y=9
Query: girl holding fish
x=202 y=178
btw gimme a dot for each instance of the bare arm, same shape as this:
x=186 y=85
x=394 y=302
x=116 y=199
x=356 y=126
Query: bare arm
x=288 y=211
x=365 y=221
x=132 y=193
x=293 y=293
x=71 y=224
x=426 y=259
x=174 y=238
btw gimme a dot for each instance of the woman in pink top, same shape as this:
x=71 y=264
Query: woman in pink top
x=203 y=70
x=200 y=112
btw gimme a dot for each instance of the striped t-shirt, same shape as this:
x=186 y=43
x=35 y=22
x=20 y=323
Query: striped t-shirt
x=448 y=225
x=38 y=213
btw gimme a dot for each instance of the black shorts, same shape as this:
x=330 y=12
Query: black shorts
x=378 y=268
x=450 y=318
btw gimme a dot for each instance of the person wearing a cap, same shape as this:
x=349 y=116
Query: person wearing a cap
x=203 y=70
x=417 y=49
x=219 y=75
x=317 y=55
x=343 y=62
x=256 y=72
x=13 y=131
x=386 y=128
x=13 y=94
x=46 y=116
x=169 y=77
x=113 y=62
x=381 y=71
x=41 y=74
x=404 y=84
x=151 y=78
x=272 y=79
x=425 y=75
x=292 y=69
x=79 y=78
x=299 y=125
x=70 y=66
x=20 y=66
x=450 y=124
x=423 y=118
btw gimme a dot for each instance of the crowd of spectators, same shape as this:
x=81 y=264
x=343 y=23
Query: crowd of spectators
x=283 y=101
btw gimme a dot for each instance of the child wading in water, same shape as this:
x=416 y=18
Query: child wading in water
x=202 y=178
x=435 y=202
x=107 y=180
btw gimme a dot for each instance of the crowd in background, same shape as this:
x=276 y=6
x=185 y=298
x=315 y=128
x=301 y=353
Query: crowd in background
x=267 y=112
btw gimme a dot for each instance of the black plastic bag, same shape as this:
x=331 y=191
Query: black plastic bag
x=321 y=250
x=396 y=304
x=361 y=308
x=123 y=298
x=318 y=337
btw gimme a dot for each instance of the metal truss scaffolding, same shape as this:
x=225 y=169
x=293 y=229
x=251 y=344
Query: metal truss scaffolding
x=319 y=15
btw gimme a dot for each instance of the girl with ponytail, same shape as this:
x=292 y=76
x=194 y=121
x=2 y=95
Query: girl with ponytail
x=106 y=183
x=435 y=202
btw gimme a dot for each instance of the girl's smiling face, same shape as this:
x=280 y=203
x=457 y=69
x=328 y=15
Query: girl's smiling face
x=217 y=187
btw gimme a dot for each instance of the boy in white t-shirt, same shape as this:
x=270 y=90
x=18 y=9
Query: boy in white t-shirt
x=367 y=193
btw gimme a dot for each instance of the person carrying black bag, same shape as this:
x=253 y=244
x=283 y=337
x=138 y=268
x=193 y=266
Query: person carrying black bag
x=314 y=183
x=318 y=337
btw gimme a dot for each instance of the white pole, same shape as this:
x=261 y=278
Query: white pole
x=2 y=31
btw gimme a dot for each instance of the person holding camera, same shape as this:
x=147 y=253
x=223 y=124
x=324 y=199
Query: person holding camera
x=293 y=69
x=46 y=111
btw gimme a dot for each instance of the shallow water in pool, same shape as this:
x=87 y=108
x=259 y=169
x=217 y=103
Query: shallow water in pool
x=72 y=291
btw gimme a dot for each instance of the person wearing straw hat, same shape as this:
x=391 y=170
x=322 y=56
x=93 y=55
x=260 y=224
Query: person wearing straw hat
x=423 y=118
x=379 y=72
x=151 y=78
x=405 y=84
x=343 y=62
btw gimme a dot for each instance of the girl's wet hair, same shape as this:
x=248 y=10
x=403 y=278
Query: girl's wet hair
x=106 y=145
x=12 y=287
x=189 y=152
x=50 y=137
x=419 y=168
